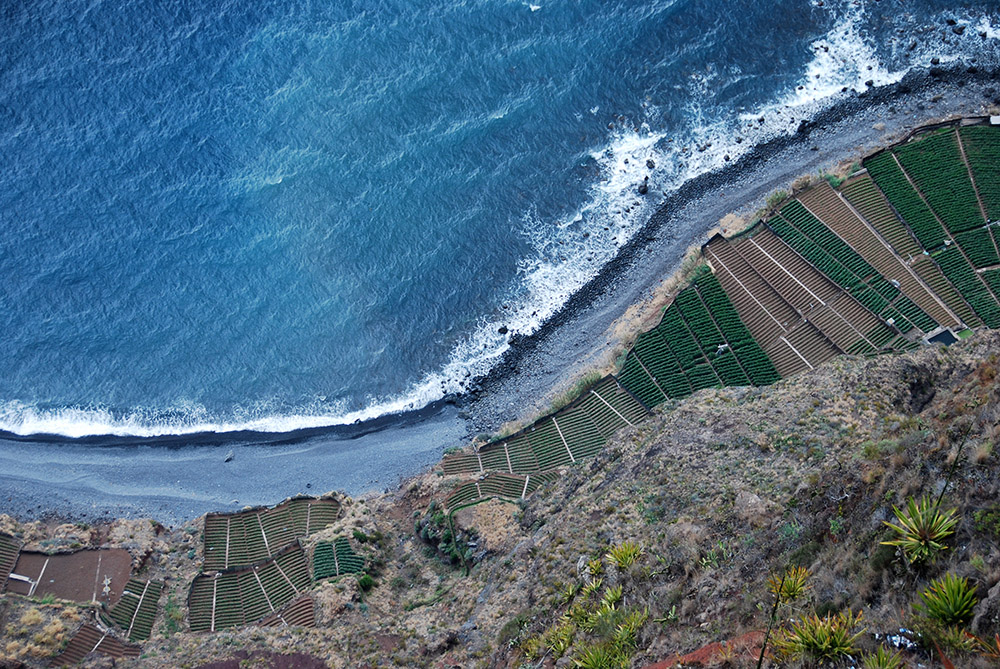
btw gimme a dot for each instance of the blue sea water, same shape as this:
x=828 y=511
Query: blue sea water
x=278 y=215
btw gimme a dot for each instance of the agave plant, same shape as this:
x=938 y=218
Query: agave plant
x=826 y=638
x=625 y=633
x=612 y=595
x=790 y=586
x=559 y=638
x=882 y=658
x=591 y=588
x=922 y=529
x=600 y=656
x=568 y=592
x=948 y=600
x=625 y=554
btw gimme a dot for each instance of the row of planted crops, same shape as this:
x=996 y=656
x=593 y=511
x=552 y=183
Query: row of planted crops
x=930 y=202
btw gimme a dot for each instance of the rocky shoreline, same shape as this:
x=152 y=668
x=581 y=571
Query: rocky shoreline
x=581 y=334
x=587 y=333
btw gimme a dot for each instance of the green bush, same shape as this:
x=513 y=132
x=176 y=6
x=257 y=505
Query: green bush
x=776 y=198
x=922 y=529
x=827 y=638
x=882 y=659
x=949 y=600
x=600 y=656
x=366 y=582
x=789 y=587
x=987 y=521
x=625 y=554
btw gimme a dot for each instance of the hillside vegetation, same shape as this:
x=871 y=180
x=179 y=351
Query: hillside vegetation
x=662 y=544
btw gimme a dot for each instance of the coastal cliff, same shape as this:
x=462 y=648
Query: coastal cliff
x=721 y=491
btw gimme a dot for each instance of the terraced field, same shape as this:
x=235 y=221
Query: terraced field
x=235 y=598
x=497 y=486
x=135 y=612
x=982 y=151
x=9 y=549
x=700 y=342
x=247 y=537
x=942 y=185
x=336 y=558
x=89 y=639
x=571 y=434
x=903 y=249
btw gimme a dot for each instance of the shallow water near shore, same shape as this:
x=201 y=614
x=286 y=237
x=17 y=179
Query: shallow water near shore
x=283 y=218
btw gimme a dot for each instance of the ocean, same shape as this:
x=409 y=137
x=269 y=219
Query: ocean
x=270 y=217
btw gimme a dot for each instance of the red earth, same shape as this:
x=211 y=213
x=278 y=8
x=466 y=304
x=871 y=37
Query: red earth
x=83 y=576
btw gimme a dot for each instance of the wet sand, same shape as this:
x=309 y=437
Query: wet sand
x=177 y=479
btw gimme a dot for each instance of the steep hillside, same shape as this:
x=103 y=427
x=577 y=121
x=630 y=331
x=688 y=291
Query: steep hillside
x=720 y=491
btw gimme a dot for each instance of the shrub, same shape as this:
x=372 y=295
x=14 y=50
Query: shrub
x=922 y=529
x=625 y=554
x=566 y=398
x=949 y=600
x=791 y=586
x=882 y=659
x=510 y=633
x=952 y=638
x=833 y=179
x=989 y=647
x=366 y=582
x=826 y=638
x=776 y=198
x=987 y=520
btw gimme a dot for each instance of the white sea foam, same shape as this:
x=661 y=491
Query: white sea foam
x=988 y=28
x=566 y=253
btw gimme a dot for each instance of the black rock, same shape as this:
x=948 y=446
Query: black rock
x=726 y=157
x=502 y=329
x=958 y=30
x=951 y=22
x=643 y=188
x=935 y=61
x=650 y=164
x=870 y=83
